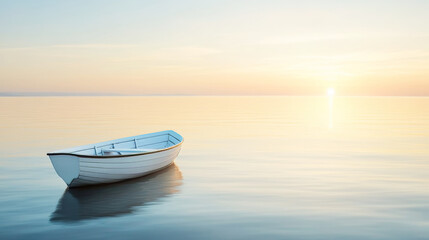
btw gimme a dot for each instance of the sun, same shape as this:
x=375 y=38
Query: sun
x=330 y=91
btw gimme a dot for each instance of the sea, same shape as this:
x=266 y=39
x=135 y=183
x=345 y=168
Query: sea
x=265 y=167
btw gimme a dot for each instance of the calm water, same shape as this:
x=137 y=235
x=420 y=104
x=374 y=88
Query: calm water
x=250 y=168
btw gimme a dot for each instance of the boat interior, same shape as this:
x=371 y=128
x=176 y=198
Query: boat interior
x=130 y=145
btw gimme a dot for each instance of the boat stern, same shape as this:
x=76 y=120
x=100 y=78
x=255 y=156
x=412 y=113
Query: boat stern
x=66 y=166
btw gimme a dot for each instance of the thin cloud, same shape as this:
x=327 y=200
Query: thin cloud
x=74 y=46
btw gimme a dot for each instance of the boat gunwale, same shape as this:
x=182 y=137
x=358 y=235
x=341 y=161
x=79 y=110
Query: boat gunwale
x=116 y=156
x=126 y=155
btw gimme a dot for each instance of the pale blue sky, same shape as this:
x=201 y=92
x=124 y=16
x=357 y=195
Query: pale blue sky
x=215 y=47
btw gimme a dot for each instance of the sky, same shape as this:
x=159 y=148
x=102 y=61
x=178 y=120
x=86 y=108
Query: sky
x=233 y=47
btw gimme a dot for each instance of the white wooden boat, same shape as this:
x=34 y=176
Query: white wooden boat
x=116 y=160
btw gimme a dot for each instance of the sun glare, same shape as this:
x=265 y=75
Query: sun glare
x=330 y=91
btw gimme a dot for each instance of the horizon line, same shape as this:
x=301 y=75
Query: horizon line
x=71 y=94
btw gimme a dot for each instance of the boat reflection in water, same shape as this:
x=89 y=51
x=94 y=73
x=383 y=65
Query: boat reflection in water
x=116 y=199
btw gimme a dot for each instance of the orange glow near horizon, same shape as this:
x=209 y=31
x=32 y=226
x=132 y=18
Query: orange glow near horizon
x=248 y=49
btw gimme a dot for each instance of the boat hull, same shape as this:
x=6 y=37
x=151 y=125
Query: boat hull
x=78 y=171
x=118 y=199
